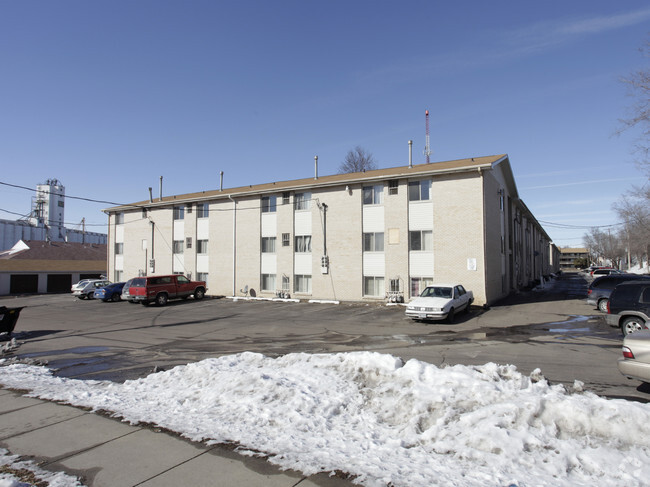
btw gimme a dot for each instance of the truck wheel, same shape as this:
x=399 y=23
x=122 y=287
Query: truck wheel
x=632 y=324
x=199 y=293
x=161 y=299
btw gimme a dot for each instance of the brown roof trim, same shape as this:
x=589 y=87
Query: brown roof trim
x=436 y=168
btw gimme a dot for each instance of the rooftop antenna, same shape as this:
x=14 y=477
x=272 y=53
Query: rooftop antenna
x=427 y=146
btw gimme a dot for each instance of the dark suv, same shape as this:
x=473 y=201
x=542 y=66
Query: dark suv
x=600 y=289
x=629 y=306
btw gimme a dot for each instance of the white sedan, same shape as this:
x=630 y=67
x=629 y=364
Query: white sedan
x=440 y=302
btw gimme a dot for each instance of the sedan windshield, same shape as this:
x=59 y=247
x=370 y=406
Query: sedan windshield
x=436 y=292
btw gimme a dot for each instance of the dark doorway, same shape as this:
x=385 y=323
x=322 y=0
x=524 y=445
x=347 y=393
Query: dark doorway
x=23 y=284
x=59 y=283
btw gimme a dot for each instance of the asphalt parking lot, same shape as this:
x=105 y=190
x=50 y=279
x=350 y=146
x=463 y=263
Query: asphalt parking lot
x=552 y=329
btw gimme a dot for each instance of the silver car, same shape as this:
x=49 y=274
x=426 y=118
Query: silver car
x=85 y=289
x=635 y=363
x=126 y=296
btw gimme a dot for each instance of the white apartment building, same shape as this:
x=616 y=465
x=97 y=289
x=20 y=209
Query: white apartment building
x=346 y=237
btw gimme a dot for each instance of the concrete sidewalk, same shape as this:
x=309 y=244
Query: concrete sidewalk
x=103 y=451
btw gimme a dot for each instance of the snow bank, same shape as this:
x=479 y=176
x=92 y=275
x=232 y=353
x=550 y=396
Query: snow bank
x=382 y=420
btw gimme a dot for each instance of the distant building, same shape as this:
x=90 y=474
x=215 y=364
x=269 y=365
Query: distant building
x=568 y=256
x=46 y=221
x=361 y=236
x=36 y=266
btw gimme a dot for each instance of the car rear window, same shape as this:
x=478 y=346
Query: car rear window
x=141 y=282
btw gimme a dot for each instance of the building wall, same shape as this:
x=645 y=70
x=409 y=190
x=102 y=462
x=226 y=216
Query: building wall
x=482 y=237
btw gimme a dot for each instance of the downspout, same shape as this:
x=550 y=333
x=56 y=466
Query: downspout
x=108 y=254
x=234 y=246
x=484 y=229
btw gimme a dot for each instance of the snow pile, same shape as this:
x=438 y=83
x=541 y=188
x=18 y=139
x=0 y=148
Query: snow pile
x=382 y=420
x=18 y=473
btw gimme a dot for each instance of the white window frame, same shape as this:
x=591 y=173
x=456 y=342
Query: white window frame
x=374 y=286
x=425 y=238
x=418 y=284
x=301 y=201
x=267 y=282
x=269 y=204
x=177 y=246
x=119 y=218
x=302 y=283
x=202 y=210
x=373 y=242
x=267 y=245
x=119 y=248
x=423 y=189
x=302 y=244
x=373 y=195
x=202 y=246
x=179 y=212
x=202 y=276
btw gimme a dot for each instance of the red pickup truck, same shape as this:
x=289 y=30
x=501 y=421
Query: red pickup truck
x=160 y=289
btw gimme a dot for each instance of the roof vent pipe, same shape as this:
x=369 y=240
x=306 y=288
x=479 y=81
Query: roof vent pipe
x=160 y=197
x=150 y=195
x=221 y=183
x=410 y=153
x=315 y=167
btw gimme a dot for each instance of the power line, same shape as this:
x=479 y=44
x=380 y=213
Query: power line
x=64 y=195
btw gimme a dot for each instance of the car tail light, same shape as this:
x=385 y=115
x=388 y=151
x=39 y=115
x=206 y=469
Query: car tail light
x=589 y=291
x=627 y=353
x=608 y=311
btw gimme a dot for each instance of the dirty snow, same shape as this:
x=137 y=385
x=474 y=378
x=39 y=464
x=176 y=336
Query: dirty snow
x=384 y=421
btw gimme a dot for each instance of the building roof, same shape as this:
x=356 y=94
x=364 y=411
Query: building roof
x=436 y=168
x=41 y=250
x=574 y=251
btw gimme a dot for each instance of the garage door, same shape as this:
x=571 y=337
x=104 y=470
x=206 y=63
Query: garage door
x=23 y=283
x=59 y=283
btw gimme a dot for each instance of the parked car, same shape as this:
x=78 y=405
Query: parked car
x=440 y=302
x=112 y=292
x=126 y=296
x=600 y=288
x=603 y=272
x=85 y=289
x=629 y=306
x=160 y=289
x=635 y=363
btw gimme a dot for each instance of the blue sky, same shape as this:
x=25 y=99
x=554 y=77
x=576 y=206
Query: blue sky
x=108 y=96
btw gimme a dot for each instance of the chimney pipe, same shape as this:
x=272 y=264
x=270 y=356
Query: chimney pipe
x=315 y=167
x=221 y=183
x=150 y=195
x=410 y=153
x=160 y=197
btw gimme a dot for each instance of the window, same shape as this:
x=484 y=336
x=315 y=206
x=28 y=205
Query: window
x=188 y=242
x=179 y=212
x=177 y=246
x=285 y=198
x=119 y=275
x=285 y=283
x=373 y=286
x=302 y=284
x=202 y=276
x=395 y=286
x=119 y=248
x=202 y=247
x=373 y=195
x=418 y=284
x=189 y=208
x=144 y=213
x=373 y=242
x=119 y=218
x=393 y=185
x=420 y=190
x=202 y=210
x=286 y=239
x=301 y=201
x=421 y=240
x=303 y=243
x=268 y=245
x=268 y=282
x=268 y=204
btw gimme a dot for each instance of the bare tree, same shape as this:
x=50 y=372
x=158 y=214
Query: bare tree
x=357 y=160
x=604 y=245
x=639 y=87
x=633 y=208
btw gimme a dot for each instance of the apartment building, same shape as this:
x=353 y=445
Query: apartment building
x=346 y=237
